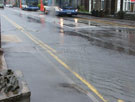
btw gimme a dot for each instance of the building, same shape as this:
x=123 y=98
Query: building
x=129 y=5
x=109 y=6
x=85 y=4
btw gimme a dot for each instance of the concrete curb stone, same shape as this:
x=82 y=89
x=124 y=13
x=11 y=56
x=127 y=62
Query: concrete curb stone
x=22 y=96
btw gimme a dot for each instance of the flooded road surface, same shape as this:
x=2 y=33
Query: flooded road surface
x=102 y=53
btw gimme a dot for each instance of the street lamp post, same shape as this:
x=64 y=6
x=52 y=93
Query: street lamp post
x=89 y=6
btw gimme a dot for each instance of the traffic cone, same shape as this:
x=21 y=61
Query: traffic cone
x=41 y=5
x=21 y=4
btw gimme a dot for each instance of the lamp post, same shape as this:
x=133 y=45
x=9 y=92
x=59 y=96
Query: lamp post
x=89 y=6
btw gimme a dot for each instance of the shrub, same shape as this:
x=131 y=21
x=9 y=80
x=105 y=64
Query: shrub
x=39 y=5
x=120 y=14
x=97 y=13
x=81 y=8
x=101 y=13
x=93 y=12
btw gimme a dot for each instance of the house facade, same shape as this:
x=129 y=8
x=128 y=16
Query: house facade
x=109 y=6
x=129 y=5
x=106 y=5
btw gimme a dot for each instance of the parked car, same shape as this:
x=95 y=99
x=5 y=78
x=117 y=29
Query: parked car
x=67 y=11
x=9 y=5
x=1 y=3
x=61 y=11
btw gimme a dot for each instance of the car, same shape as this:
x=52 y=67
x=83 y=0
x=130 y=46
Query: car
x=9 y=5
x=60 y=11
x=1 y=5
x=66 y=11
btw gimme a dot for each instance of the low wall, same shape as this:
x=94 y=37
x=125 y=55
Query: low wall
x=129 y=16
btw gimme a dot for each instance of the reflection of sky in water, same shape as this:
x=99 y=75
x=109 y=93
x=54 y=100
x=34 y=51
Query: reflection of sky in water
x=61 y=36
x=42 y=19
x=61 y=22
x=76 y=22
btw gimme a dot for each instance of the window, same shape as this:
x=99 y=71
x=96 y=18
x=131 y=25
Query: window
x=102 y=4
x=127 y=5
x=94 y=3
x=45 y=2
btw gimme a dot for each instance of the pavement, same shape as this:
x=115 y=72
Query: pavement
x=112 y=21
x=76 y=59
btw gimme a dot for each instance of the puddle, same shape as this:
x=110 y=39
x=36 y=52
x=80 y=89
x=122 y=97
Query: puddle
x=18 y=14
x=31 y=19
x=73 y=87
x=102 y=40
x=70 y=25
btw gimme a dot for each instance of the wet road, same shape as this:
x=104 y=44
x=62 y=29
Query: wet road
x=101 y=53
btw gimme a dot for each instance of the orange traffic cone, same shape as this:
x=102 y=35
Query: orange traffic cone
x=41 y=6
x=20 y=3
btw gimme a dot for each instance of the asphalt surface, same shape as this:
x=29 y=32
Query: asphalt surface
x=56 y=54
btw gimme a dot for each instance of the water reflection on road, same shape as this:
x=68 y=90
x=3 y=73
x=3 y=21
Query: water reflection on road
x=110 y=70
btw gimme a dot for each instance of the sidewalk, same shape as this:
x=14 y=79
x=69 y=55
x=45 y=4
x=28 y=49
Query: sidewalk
x=113 y=20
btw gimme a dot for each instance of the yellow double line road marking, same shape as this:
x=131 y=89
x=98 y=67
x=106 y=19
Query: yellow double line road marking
x=26 y=33
x=51 y=51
